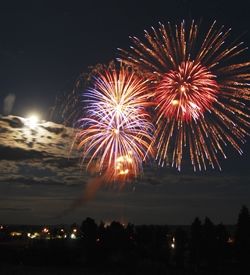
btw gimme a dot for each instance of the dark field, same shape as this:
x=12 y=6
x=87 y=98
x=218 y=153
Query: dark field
x=202 y=248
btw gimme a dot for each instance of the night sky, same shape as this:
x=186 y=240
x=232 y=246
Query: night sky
x=43 y=49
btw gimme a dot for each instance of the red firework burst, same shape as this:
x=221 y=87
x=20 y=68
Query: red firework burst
x=186 y=93
x=201 y=95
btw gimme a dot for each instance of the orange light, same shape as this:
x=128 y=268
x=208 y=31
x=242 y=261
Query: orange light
x=175 y=102
x=124 y=172
x=116 y=131
x=15 y=234
x=45 y=230
x=123 y=164
x=182 y=88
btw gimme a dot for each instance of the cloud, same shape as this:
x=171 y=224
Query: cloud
x=55 y=130
x=47 y=138
x=8 y=104
x=13 y=122
x=10 y=153
x=12 y=209
x=30 y=181
x=39 y=171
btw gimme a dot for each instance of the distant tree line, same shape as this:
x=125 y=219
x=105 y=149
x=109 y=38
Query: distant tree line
x=202 y=248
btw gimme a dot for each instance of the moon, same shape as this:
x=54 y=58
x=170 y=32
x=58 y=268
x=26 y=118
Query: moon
x=32 y=120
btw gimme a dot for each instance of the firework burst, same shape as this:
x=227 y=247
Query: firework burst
x=201 y=95
x=115 y=133
x=191 y=90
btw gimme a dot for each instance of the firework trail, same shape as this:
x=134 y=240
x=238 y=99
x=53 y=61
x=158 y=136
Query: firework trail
x=200 y=94
x=115 y=133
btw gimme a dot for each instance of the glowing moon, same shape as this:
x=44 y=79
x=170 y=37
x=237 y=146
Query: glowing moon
x=32 y=121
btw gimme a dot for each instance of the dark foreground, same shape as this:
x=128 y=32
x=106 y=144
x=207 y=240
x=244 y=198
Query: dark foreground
x=202 y=248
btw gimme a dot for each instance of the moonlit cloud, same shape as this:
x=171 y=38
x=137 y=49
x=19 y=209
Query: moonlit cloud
x=41 y=177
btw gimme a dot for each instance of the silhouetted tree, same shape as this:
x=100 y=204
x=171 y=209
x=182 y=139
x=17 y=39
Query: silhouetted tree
x=101 y=231
x=208 y=242
x=242 y=237
x=89 y=230
x=152 y=242
x=180 y=246
x=195 y=243
x=130 y=235
x=89 y=234
x=116 y=235
x=130 y=230
x=222 y=250
x=115 y=242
